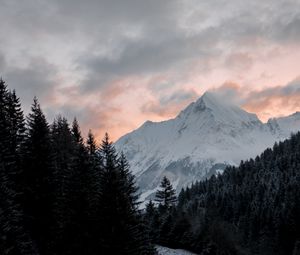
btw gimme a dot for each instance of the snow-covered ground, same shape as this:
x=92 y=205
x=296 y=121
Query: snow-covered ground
x=167 y=251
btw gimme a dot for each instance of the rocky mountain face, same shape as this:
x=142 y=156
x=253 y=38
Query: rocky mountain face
x=205 y=137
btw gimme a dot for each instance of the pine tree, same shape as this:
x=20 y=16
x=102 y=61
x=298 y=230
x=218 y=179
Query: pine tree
x=122 y=230
x=166 y=195
x=150 y=210
x=66 y=181
x=152 y=220
x=76 y=132
x=36 y=163
x=14 y=239
x=128 y=180
x=86 y=193
x=17 y=121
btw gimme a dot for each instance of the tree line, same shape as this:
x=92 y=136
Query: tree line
x=250 y=209
x=60 y=194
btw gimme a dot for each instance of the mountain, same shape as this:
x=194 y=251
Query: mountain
x=205 y=137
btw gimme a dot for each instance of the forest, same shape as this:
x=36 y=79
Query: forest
x=250 y=209
x=63 y=194
x=60 y=194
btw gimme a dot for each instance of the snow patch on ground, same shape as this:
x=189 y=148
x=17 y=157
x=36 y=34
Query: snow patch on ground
x=167 y=251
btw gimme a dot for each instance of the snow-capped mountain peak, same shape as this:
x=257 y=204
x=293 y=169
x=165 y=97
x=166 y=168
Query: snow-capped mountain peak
x=206 y=136
x=224 y=112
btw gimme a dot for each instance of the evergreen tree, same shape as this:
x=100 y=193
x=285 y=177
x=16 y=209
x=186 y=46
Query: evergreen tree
x=150 y=210
x=14 y=239
x=92 y=190
x=128 y=182
x=37 y=166
x=81 y=188
x=122 y=232
x=66 y=182
x=77 y=133
x=166 y=195
x=152 y=220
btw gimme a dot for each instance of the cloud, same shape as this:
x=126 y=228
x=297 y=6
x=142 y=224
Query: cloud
x=274 y=101
x=101 y=59
x=39 y=79
x=240 y=61
x=2 y=61
x=266 y=102
x=169 y=105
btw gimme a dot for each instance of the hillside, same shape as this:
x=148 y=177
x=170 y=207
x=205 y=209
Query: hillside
x=250 y=209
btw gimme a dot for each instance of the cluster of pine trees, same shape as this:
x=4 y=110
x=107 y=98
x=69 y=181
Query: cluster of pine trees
x=250 y=209
x=61 y=195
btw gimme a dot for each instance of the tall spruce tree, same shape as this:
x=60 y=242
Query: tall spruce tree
x=93 y=194
x=80 y=190
x=122 y=231
x=37 y=165
x=14 y=239
x=65 y=181
x=166 y=195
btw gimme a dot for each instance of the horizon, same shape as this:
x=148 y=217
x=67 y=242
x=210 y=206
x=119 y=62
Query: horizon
x=217 y=92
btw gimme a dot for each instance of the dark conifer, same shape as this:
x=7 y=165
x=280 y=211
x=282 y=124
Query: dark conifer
x=121 y=227
x=166 y=195
x=65 y=183
x=14 y=238
x=37 y=166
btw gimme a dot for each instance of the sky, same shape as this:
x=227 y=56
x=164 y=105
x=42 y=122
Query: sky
x=116 y=63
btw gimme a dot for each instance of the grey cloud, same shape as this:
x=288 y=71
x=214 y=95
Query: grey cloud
x=148 y=56
x=178 y=97
x=2 y=62
x=110 y=40
x=290 y=89
x=290 y=32
x=170 y=105
x=265 y=102
x=38 y=79
x=164 y=49
x=160 y=43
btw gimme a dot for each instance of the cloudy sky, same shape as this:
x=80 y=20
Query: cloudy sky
x=115 y=64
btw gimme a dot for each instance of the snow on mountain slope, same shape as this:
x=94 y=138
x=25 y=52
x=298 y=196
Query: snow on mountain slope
x=285 y=125
x=205 y=137
x=167 y=251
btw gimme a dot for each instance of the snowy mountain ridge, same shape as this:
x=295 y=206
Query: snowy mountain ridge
x=205 y=137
